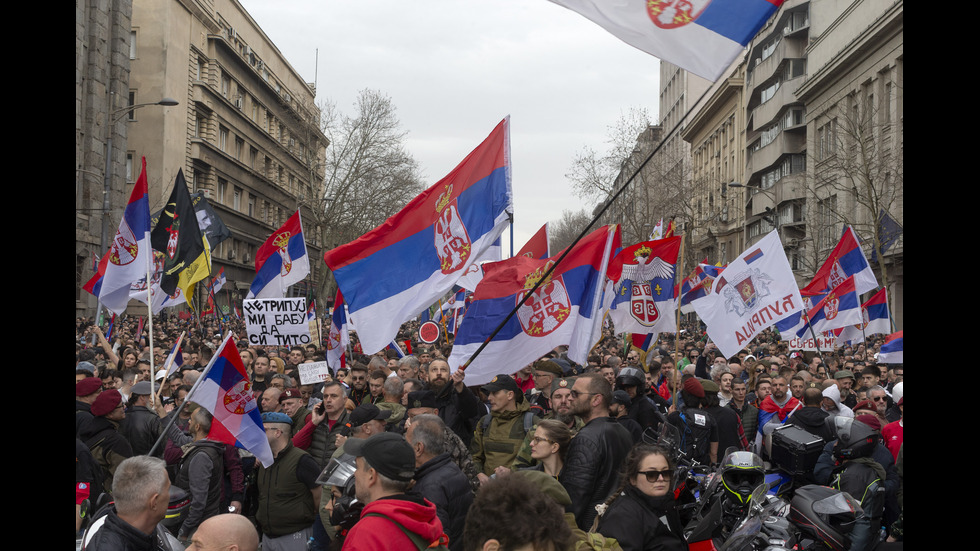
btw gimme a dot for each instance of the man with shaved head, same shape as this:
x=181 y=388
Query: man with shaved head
x=227 y=532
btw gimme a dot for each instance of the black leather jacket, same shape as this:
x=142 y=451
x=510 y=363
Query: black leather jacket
x=592 y=465
x=141 y=428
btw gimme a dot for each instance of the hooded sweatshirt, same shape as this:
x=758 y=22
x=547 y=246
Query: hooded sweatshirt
x=374 y=533
x=841 y=410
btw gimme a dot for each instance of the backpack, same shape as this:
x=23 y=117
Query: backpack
x=488 y=418
x=441 y=544
x=863 y=483
x=694 y=442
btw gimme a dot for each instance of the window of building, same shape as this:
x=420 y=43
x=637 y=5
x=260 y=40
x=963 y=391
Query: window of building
x=237 y=200
x=225 y=85
x=251 y=207
x=223 y=139
x=129 y=167
x=132 y=102
x=253 y=155
x=132 y=44
x=240 y=149
x=222 y=191
x=827 y=140
x=200 y=69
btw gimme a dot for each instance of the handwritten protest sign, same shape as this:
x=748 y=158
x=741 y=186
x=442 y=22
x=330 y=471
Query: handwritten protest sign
x=276 y=321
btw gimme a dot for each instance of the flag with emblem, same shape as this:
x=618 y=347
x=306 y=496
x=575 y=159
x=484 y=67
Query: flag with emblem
x=839 y=308
x=566 y=309
x=644 y=290
x=391 y=273
x=281 y=261
x=753 y=292
x=128 y=258
x=186 y=254
x=224 y=390
x=702 y=37
x=847 y=259
x=875 y=320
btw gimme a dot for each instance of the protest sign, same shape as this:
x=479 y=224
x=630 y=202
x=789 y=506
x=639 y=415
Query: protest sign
x=276 y=321
x=313 y=372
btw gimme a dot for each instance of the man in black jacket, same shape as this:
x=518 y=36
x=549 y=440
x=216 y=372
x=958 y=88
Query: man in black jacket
x=458 y=406
x=438 y=478
x=201 y=472
x=597 y=452
x=141 y=491
x=142 y=426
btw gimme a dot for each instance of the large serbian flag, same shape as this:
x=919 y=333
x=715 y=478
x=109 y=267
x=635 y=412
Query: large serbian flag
x=875 y=320
x=703 y=37
x=893 y=351
x=225 y=391
x=839 y=308
x=644 y=293
x=566 y=309
x=394 y=271
x=847 y=259
x=128 y=258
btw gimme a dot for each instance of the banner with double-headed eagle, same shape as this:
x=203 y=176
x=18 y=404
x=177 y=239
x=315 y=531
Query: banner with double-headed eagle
x=644 y=301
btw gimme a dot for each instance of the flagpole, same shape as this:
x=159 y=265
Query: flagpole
x=190 y=394
x=149 y=315
x=585 y=231
x=170 y=360
x=677 y=318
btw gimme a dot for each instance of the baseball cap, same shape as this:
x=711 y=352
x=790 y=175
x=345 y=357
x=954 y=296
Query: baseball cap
x=367 y=412
x=388 y=453
x=422 y=399
x=502 y=382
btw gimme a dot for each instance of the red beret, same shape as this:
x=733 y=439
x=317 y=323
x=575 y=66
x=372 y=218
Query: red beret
x=693 y=387
x=88 y=385
x=106 y=402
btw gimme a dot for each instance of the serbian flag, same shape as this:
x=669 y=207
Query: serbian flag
x=892 y=351
x=840 y=308
x=281 y=261
x=698 y=284
x=175 y=358
x=337 y=337
x=224 y=390
x=218 y=281
x=644 y=291
x=538 y=246
x=567 y=309
x=876 y=319
x=391 y=273
x=700 y=37
x=128 y=258
x=642 y=341
x=756 y=290
x=847 y=259
x=311 y=311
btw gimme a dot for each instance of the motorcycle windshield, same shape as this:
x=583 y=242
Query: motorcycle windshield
x=837 y=504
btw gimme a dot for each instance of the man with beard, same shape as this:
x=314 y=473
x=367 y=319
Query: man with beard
x=545 y=372
x=359 y=390
x=597 y=452
x=778 y=405
x=457 y=404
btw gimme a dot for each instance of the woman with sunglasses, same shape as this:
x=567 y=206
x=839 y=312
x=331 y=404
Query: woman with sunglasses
x=633 y=514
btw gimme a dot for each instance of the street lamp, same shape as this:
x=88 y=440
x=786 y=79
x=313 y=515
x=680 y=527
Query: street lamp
x=115 y=117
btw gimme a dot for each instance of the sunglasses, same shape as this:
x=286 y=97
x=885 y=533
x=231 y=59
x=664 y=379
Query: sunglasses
x=538 y=440
x=576 y=394
x=654 y=475
x=878 y=398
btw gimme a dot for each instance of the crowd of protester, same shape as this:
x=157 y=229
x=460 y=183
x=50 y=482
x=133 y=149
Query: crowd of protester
x=523 y=459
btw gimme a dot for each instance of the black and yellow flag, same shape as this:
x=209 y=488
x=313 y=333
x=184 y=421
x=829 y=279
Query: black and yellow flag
x=177 y=235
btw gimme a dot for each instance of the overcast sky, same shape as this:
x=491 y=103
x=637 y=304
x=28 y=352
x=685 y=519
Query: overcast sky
x=454 y=69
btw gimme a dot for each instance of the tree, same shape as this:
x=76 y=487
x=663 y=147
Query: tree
x=369 y=175
x=858 y=175
x=563 y=232
x=658 y=190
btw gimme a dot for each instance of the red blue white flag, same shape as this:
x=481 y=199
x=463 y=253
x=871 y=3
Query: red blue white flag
x=753 y=292
x=875 y=320
x=847 y=259
x=225 y=391
x=337 y=337
x=702 y=37
x=391 y=273
x=840 y=308
x=128 y=258
x=566 y=309
x=893 y=351
x=538 y=246
x=698 y=284
x=281 y=261
x=644 y=291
